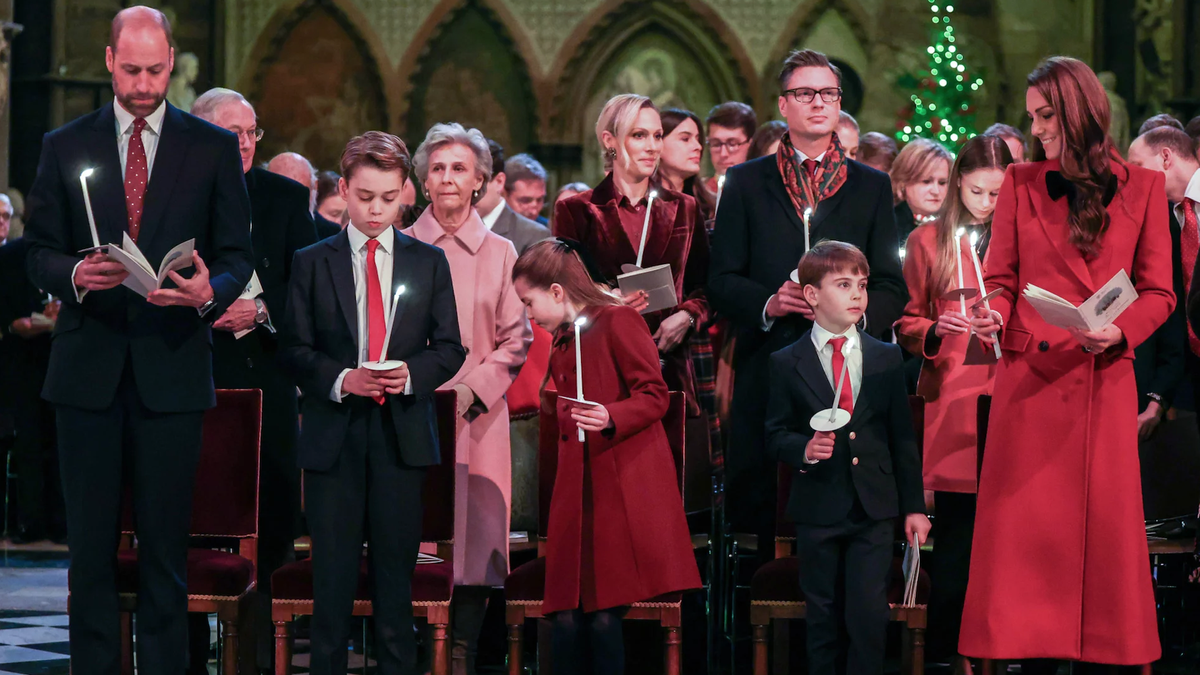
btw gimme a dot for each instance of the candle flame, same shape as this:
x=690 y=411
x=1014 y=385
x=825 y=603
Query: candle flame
x=581 y=321
x=654 y=194
x=87 y=173
x=721 y=181
x=807 y=214
x=902 y=253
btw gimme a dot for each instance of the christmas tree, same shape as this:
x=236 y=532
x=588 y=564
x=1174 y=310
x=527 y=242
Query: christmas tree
x=942 y=95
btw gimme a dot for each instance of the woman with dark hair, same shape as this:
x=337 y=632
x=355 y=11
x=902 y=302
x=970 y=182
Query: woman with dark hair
x=938 y=331
x=766 y=140
x=683 y=146
x=1062 y=569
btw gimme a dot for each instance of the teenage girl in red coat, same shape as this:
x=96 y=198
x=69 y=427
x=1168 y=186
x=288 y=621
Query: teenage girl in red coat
x=617 y=532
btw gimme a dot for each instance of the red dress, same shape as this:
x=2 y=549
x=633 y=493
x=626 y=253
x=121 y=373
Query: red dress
x=617 y=531
x=951 y=389
x=1060 y=566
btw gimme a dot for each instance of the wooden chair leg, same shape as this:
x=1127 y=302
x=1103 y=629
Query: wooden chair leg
x=672 y=655
x=759 y=654
x=229 y=646
x=127 y=643
x=906 y=644
x=441 y=649
x=917 y=667
x=781 y=647
x=516 y=646
x=283 y=647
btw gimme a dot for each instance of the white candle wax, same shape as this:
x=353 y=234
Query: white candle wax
x=579 y=322
x=720 y=189
x=962 y=301
x=982 y=291
x=87 y=203
x=646 y=226
x=387 y=334
x=807 y=216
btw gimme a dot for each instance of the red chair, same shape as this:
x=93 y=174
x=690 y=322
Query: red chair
x=432 y=585
x=775 y=589
x=525 y=587
x=224 y=511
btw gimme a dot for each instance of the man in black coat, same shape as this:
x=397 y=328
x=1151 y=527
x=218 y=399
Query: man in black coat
x=758 y=240
x=244 y=350
x=130 y=376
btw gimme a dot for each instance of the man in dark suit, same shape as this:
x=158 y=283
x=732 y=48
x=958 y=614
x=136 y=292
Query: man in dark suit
x=525 y=187
x=498 y=216
x=130 y=376
x=368 y=435
x=26 y=320
x=760 y=236
x=849 y=484
x=244 y=349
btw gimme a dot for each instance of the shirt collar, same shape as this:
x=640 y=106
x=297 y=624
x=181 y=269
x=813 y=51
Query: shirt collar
x=1193 y=187
x=470 y=234
x=490 y=218
x=801 y=157
x=358 y=240
x=821 y=337
x=154 y=120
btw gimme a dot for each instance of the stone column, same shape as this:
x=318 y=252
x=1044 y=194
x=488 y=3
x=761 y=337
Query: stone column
x=8 y=31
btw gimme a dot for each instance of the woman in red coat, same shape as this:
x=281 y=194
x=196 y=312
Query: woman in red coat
x=938 y=331
x=1060 y=567
x=608 y=222
x=617 y=532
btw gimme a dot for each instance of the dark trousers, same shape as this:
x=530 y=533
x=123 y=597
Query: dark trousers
x=844 y=574
x=949 y=566
x=157 y=454
x=35 y=463
x=368 y=490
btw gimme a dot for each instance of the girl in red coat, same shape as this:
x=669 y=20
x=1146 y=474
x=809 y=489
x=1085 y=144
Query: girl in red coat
x=1060 y=567
x=617 y=532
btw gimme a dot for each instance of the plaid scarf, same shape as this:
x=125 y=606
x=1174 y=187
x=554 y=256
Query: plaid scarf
x=807 y=193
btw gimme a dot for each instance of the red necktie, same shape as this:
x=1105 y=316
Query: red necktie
x=810 y=167
x=846 y=402
x=376 y=325
x=1189 y=244
x=136 y=173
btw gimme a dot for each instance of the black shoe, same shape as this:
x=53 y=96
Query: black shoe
x=25 y=536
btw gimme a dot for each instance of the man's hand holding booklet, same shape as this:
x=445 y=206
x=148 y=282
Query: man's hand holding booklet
x=1096 y=313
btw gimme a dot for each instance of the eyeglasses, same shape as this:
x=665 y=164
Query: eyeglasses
x=255 y=133
x=806 y=95
x=731 y=146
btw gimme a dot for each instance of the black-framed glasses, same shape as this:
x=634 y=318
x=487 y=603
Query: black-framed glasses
x=731 y=146
x=806 y=95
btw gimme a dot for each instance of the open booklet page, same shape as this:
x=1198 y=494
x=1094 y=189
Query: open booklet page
x=142 y=277
x=1095 y=313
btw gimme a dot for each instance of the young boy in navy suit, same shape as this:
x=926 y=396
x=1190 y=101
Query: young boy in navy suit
x=368 y=435
x=849 y=485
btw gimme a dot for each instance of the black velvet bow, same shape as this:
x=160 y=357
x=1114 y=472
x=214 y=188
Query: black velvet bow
x=1058 y=185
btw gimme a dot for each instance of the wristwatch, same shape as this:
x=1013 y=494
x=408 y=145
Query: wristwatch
x=261 y=316
x=207 y=307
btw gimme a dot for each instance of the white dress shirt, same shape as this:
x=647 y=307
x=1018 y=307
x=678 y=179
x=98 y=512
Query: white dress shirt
x=851 y=352
x=1192 y=192
x=489 y=220
x=767 y=321
x=383 y=264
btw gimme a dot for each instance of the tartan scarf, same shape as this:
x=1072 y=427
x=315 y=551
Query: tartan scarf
x=807 y=193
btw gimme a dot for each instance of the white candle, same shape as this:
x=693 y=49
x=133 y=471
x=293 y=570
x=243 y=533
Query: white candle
x=720 y=189
x=807 y=215
x=982 y=291
x=962 y=300
x=646 y=226
x=87 y=203
x=579 y=323
x=387 y=334
x=837 y=395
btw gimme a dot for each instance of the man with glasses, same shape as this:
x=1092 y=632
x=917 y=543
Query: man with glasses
x=758 y=241
x=244 y=351
x=731 y=125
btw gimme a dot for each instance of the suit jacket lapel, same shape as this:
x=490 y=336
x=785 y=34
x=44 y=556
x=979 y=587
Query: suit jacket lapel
x=259 y=213
x=808 y=364
x=341 y=269
x=827 y=206
x=662 y=230
x=777 y=189
x=1052 y=216
x=873 y=364
x=399 y=278
x=169 y=159
x=106 y=185
x=503 y=223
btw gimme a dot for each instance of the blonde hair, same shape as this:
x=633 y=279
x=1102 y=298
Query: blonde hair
x=915 y=161
x=617 y=118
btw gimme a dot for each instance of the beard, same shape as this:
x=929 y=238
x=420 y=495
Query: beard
x=139 y=107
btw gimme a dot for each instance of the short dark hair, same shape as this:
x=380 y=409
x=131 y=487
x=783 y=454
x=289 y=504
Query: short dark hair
x=874 y=145
x=765 y=137
x=524 y=167
x=1170 y=137
x=733 y=115
x=805 y=58
x=829 y=257
x=327 y=185
x=1193 y=127
x=1160 y=120
x=383 y=151
x=1002 y=130
x=497 y=151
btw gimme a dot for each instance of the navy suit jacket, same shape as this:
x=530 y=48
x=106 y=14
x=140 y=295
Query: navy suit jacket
x=196 y=190
x=875 y=456
x=320 y=338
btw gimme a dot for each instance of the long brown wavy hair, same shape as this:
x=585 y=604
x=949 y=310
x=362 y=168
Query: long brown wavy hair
x=981 y=152
x=1081 y=106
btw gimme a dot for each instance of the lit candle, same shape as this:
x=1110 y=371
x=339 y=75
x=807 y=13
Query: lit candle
x=901 y=254
x=982 y=291
x=807 y=215
x=579 y=323
x=962 y=300
x=387 y=334
x=720 y=189
x=646 y=226
x=87 y=203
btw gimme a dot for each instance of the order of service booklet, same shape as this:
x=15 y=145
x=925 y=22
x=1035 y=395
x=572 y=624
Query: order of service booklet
x=656 y=281
x=1095 y=313
x=142 y=277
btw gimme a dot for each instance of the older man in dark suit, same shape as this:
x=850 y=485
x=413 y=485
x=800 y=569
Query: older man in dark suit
x=499 y=217
x=131 y=376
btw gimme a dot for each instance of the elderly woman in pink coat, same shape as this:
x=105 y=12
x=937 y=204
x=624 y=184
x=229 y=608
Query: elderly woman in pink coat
x=454 y=165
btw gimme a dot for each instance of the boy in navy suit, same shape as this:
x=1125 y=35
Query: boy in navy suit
x=368 y=435
x=850 y=484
